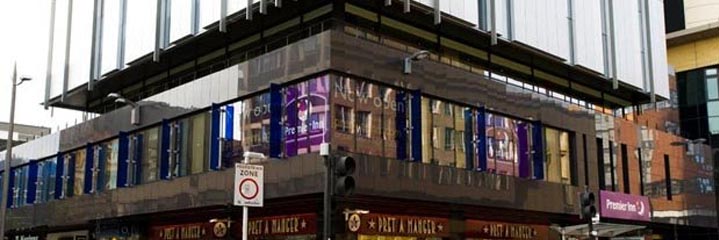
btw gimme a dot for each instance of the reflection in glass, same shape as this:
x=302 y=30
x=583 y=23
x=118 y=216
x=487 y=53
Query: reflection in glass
x=364 y=117
x=110 y=152
x=47 y=172
x=79 y=172
x=193 y=142
x=306 y=110
x=557 y=160
x=19 y=190
x=256 y=124
x=150 y=155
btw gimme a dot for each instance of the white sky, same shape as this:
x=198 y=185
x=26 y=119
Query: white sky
x=25 y=25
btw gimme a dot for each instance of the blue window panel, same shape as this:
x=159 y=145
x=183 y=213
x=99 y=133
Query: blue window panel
x=89 y=167
x=165 y=150
x=101 y=164
x=137 y=155
x=537 y=150
x=275 y=118
x=215 y=137
x=227 y=146
x=416 y=122
x=401 y=125
x=59 y=173
x=10 y=196
x=32 y=183
x=468 y=137
x=229 y=120
x=481 y=143
x=70 y=172
x=122 y=157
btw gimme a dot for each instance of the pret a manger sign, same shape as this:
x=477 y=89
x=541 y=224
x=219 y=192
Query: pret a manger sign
x=249 y=185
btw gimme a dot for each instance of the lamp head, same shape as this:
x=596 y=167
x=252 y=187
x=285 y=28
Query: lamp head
x=114 y=95
x=419 y=55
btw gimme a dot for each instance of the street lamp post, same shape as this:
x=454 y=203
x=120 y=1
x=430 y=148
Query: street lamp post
x=8 y=153
x=134 y=113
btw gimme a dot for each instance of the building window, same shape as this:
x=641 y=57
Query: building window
x=460 y=139
x=364 y=124
x=343 y=118
x=448 y=109
x=434 y=105
x=435 y=138
x=448 y=139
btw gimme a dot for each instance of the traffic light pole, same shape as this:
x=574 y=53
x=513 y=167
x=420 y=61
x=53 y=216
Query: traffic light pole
x=326 y=216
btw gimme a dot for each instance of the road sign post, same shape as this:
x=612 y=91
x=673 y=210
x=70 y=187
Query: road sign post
x=249 y=187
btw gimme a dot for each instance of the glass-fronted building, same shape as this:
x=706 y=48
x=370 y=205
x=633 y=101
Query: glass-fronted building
x=479 y=141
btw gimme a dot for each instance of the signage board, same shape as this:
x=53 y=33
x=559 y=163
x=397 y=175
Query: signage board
x=300 y=224
x=398 y=225
x=504 y=230
x=249 y=185
x=624 y=206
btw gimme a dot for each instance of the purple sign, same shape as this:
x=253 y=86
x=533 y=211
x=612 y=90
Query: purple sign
x=624 y=206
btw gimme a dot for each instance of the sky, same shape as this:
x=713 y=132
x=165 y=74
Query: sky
x=25 y=26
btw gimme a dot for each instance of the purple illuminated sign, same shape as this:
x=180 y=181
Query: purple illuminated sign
x=624 y=206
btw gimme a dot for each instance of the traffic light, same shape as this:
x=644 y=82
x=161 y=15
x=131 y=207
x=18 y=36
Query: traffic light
x=588 y=209
x=343 y=169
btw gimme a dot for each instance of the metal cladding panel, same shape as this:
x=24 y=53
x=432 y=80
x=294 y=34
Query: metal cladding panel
x=588 y=34
x=32 y=183
x=543 y=25
x=122 y=158
x=469 y=138
x=481 y=143
x=659 y=48
x=59 y=173
x=215 y=137
x=165 y=150
x=401 y=125
x=628 y=39
x=89 y=167
x=538 y=150
x=416 y=123
x=275 y=121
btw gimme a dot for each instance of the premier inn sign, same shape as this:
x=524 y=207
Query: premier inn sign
x=398 y=225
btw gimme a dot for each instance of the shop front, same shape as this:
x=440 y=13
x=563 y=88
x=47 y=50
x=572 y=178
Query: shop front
x=299 y=226
x=399 y=227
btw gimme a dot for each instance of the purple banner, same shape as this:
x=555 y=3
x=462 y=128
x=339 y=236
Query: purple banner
x=624 y=206
x=306 y=113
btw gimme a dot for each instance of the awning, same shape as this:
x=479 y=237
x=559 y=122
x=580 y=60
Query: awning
x=602 y=229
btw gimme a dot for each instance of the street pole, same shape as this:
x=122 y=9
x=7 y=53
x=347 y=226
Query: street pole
x=326 y=218
x=246 y=160
x=8 y=155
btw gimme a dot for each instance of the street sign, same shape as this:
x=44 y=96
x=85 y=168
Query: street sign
x=249 y=186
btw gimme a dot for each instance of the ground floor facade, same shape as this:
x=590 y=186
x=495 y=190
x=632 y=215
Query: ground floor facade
x=357 y=217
